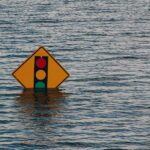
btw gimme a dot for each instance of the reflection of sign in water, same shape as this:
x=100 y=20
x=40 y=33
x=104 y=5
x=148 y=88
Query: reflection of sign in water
x=46 y=103
x=41 y=70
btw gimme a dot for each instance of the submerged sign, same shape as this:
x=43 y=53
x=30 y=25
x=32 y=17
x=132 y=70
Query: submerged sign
x=40 y=70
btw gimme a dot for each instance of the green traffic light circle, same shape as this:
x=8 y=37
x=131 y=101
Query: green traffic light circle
x=40 y=84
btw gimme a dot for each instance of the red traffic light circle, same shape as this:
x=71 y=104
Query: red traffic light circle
x=41 y=62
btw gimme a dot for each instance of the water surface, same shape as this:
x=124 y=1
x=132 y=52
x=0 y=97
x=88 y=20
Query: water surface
x=105 y=46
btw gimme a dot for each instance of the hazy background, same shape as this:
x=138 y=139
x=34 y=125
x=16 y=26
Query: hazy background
x=105 y=46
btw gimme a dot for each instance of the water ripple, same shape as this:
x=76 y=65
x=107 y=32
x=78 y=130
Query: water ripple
x=105 y=102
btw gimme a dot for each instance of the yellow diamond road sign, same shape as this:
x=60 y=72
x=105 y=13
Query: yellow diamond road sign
x=40 y=70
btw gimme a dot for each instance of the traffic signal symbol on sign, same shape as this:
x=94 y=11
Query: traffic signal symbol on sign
x=40 y=70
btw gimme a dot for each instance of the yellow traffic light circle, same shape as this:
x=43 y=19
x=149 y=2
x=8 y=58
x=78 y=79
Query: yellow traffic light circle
x=40 y=74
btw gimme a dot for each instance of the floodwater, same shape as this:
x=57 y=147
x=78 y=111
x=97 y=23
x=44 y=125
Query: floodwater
x=105 y=46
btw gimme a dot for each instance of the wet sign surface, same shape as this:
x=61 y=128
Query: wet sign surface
x=41 y=70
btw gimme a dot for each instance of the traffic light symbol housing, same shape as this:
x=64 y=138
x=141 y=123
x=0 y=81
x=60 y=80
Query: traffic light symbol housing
x=40 y=72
